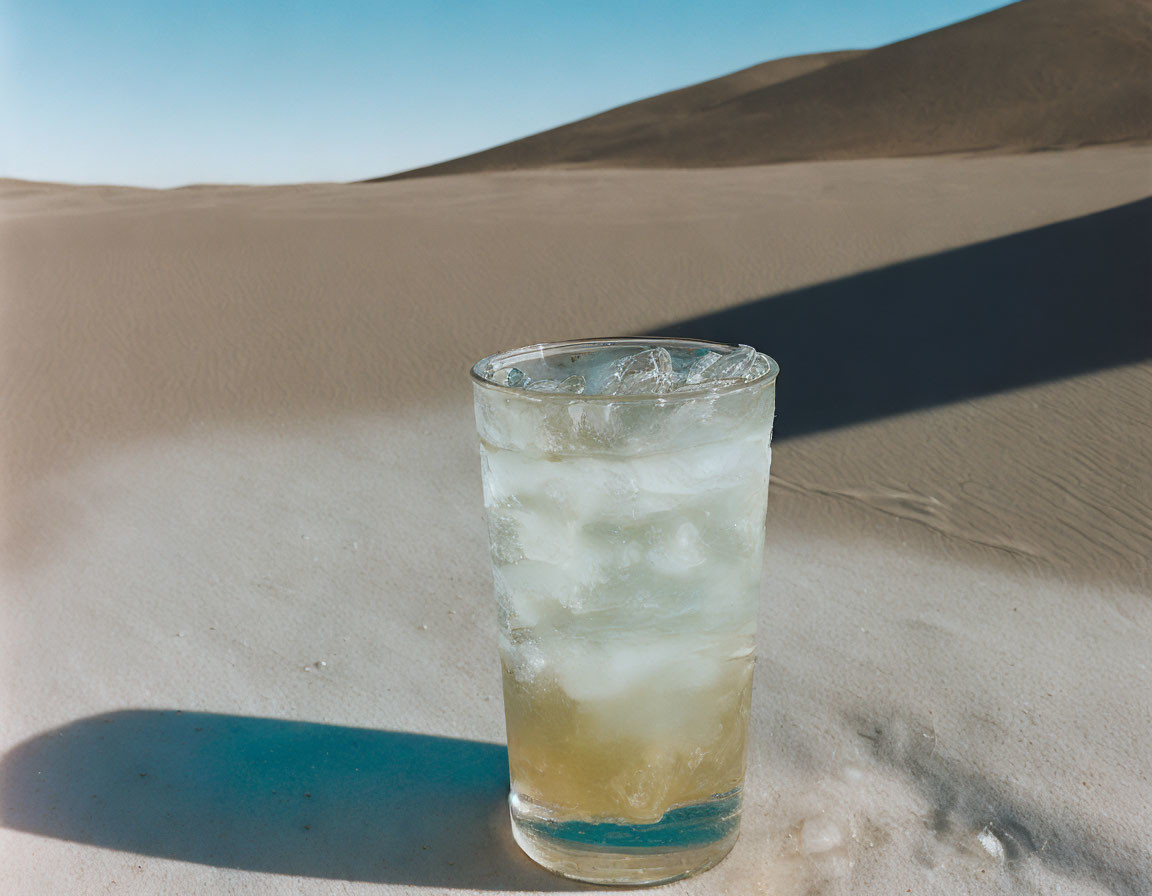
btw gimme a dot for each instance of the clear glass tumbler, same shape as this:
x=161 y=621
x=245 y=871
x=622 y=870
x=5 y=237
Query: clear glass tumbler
x=626 y=536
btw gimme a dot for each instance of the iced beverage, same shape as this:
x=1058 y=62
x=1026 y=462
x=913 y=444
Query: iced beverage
x=625 y=484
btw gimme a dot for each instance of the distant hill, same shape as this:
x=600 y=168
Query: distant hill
x=1039 y=74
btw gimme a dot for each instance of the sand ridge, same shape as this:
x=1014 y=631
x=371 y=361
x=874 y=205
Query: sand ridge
x=1034 y=75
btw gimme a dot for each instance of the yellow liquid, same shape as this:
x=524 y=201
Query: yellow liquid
x=631 y=758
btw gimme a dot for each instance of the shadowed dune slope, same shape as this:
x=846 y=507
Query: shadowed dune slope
x=1039 y=74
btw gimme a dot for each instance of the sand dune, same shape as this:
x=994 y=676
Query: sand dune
x=238 y=440
x=1039 y=74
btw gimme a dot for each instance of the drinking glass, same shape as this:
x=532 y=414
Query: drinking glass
x=626 y=535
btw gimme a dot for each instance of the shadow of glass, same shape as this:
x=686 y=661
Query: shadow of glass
x=1040 y=305
x=277 y=796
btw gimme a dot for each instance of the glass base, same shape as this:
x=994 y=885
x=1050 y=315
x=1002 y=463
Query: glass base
x=684 y=842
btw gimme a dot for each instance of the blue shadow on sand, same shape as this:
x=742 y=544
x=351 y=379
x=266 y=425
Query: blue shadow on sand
x=277 y=796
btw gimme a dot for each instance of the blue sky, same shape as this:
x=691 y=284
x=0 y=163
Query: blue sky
x=167 y=93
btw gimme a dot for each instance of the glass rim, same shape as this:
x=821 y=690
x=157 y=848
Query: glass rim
x=477 y=369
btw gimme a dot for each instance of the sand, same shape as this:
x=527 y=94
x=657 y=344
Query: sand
x=1031 y=76
x=248 y=639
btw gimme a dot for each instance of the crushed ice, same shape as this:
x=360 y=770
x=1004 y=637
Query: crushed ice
x=652 y=371
x=643 y=373
x=991 y=843
x=573 y=385
x=819 y=834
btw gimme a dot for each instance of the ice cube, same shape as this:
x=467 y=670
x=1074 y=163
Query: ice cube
x=698 y=470
x=736 y=364
x=528 y=591
x=759 y=367
x=679 y=552
x=573 y=385
x=707 y=384
x=525 y=659
x=592 y=673
x=516 y=379
x=644 y=373
x=699 y=369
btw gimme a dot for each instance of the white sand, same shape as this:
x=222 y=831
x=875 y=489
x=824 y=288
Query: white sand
x=238 y=442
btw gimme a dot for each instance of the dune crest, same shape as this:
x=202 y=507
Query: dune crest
x=1039 y=74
